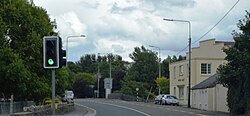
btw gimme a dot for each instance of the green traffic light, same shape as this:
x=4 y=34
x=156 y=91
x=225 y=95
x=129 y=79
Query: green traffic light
x=51 y=62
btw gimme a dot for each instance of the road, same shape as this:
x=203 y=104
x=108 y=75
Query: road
x=106 y=107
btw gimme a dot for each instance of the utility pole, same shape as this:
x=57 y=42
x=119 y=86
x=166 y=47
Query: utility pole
x=189 y=57
x=98 y=77
x=159 y=61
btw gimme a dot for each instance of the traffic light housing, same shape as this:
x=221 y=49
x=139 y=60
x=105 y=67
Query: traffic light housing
x=62 y=55
x=51 y=52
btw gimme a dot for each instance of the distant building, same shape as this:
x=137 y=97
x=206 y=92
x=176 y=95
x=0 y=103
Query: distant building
x=209 y=95
x=205 y=60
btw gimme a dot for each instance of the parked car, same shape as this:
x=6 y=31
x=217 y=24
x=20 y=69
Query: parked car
x=170 y=100
x=158 y=99
x=68 y=97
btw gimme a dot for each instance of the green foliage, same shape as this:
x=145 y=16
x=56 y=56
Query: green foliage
x=163 y=84
x=86 y=77
x=129 y=88
x=89 y=63
x=22 y=27
x=11 y=67
x=142 y=73
x=81 y=85
x=63 y=81
x=235 y=75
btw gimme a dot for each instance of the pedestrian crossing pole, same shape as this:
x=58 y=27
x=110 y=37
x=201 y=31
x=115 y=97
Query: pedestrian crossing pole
x=53 y=92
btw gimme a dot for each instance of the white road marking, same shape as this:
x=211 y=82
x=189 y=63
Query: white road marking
x=94 y=111
x=152 y=106
x=201 y=115
x=183 y=111
x=126 y=108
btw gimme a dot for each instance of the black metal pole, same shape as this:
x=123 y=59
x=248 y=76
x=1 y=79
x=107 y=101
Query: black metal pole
x=189 y=67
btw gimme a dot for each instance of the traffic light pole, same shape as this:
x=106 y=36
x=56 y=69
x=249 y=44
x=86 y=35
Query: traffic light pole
x=53 y=92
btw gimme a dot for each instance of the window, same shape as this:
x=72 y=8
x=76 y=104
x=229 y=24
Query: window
x=181 y=70
x=181 y=92
x=174 y=90
x=205 y=68
x=174 y=72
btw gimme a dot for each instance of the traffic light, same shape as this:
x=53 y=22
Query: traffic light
x=50 y=52
x=62 y=54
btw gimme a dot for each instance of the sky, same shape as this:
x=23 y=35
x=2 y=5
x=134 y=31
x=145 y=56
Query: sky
x=117 y=26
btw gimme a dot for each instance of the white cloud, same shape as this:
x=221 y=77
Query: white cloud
x=116 y=46
x=119 y=26
x=68 y=24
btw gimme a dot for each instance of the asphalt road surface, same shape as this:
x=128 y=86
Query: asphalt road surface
x=107 y=107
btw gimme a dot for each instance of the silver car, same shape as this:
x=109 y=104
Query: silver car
x=170 y=100
x=158 y=99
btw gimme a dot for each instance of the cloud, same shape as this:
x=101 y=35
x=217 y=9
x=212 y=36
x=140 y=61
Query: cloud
x=116 y=9
x=69 y=25
x=119 y=26
x=116 y=46
x=162 y=4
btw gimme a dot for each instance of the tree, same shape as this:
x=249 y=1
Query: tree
x=181 y=58
x=143 y=71
x=63 y=81
x=82 y=85
x=163 y=84
x=89 y=64
x=174 y=59
x=165 y=66
x=22 y=27
x=235 y=75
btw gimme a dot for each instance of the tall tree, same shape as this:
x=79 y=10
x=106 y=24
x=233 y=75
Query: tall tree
x=143 y=71
x=235 y=75
x=82 y=85
x=89 y=64
x=23 y=26
x=165 y=66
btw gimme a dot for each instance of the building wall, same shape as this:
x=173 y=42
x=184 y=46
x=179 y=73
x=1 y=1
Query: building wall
x=210 y=99
x=221 y=97
x=198 y=77
x=200 y=99
x=209 y=51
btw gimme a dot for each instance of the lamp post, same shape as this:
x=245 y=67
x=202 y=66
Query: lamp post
x=98 y=80
x=98 y=77
x=159 y=64
x=67 y=42
x=189 y=53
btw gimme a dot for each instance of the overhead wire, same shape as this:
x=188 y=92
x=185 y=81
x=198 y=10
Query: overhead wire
x=212 y=27
x=217 y=22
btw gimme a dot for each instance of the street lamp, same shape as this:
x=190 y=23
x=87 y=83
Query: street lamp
x=189 y=51
x=98 y=77
x=67 y=42
x=98 y=80
x=158 y=62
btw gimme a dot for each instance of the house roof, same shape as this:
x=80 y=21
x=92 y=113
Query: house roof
x=208 y=83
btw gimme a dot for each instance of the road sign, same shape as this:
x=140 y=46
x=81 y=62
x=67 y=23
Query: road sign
x=108 y=83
